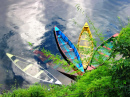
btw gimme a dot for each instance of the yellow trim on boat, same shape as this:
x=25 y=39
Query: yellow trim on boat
x=9 y=55
x=83 y=39
x=38 y=73
x=15 y=61
x=86 y=25
x=85 y=31
x=84 y=54
x=85 y=46
x=27 y=67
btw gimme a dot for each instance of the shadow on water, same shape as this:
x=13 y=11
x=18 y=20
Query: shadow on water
x=55 y=14
x=9 y=78
x=4 y=64
x=16 y=81
x=49 y=43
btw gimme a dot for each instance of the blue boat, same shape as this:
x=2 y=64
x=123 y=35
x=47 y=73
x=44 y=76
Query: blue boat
x=68 y=50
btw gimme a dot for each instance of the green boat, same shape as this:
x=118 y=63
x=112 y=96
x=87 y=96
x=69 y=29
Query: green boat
x=102 y=52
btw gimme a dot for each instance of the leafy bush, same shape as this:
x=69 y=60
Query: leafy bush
x=32 y=91
x=123 y=42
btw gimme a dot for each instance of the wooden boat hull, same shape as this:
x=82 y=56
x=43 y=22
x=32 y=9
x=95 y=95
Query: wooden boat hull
x=85 y=44
x=45 y=59
x=68 y=50
x=33 y=70
x=103 y=52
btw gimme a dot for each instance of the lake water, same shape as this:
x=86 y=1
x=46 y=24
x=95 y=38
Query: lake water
x=23 y=21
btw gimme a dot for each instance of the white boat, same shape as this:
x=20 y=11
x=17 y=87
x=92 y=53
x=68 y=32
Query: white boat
x=33 y=70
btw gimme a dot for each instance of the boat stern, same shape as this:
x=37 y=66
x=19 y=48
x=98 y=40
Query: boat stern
x=115 y=35
x=56 y=28
x=81 y=69
x=58 y=82
x=86 y=25
x=9 y=55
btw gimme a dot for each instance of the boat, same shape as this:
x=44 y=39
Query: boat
x=68 y=50
x=103 y=52
x=34 y=70
x=59 y=67
x=85 y=45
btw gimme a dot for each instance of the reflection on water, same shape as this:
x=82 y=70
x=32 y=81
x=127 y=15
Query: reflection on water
x=33 y=20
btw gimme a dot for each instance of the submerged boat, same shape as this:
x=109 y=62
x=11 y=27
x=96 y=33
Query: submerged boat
x=103 y=52
x=59 y=67
x=68 y=50
x=85 y=45
x=33 y=70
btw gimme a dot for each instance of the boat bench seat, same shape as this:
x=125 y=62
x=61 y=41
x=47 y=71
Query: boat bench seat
x=73 y=58
x=96 y=59
x=103 y=54
x=93 y=66
x=89 y=68
x=107 y=47
x=63 y=43
x=70 y=49
x=59 y=36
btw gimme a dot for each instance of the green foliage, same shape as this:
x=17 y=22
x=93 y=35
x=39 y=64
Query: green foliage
x=37 y=91
x=32 y=91
x=124 y=42
x=120 y=77
x=30 y=43
x=121 y=68
x=99 y=84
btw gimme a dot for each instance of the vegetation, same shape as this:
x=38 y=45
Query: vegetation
x=121 y=67
x=32 y=91
x=110 y=79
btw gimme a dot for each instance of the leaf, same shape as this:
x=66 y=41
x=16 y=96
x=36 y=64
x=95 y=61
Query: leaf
x=30 y=43
x=124 y=81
